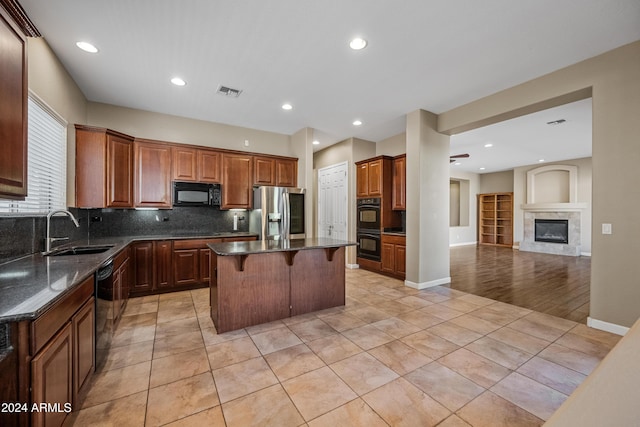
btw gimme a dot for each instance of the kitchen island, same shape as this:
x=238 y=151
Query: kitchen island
x=262 y=281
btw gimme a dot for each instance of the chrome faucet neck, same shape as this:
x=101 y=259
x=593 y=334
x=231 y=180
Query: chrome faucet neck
x=48 y=239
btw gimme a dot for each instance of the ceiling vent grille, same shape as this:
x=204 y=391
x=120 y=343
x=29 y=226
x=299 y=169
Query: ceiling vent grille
x=228 y=91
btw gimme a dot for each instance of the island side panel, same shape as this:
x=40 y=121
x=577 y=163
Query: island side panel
x=316 y=282
x=258 y=294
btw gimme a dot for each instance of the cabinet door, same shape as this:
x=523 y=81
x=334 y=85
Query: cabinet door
x=142 y=256
x=184 y=164
x=91 y=169
x=153 y=175
x=205 y=270
x=264 y=171
x=209 y=166
x=186 y=268
x=237 y=173
x=387 y=257
x=400 y=259
x=375 y=178
x=52 y=377
x=399 y=184
x=119 y=172
x=13 y=110
x=362 y=180
x=84 y=337
x=286 y=173
x=163 y=265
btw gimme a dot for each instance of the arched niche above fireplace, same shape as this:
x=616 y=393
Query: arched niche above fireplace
x=553 y=188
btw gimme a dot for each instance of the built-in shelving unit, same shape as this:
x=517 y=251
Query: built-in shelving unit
x=495 y=219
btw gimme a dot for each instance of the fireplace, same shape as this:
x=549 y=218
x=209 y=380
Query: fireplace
x=551 y=230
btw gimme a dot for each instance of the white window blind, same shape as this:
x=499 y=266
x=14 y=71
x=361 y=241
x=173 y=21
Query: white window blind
x=47 y=162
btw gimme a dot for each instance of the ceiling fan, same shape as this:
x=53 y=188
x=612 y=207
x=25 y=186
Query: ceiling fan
x=458 y=156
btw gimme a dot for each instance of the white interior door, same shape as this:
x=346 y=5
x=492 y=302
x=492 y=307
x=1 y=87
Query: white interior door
x=332 y=201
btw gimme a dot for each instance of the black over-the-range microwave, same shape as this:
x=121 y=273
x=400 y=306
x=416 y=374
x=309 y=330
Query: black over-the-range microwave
x=196 y=194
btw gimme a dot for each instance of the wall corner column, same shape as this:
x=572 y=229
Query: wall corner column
x=427 y=202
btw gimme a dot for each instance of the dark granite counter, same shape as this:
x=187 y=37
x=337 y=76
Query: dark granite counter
x=265 y=246
x=31 y=284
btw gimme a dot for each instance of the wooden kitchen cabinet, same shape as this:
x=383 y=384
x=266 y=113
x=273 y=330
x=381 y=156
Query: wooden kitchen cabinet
x=209 y=166
x=287 y=172
x=264 y=171
x=393 y=255
x=185 y=163
x=237 y=178
x=13 y=109
x=399 y=193
x=62 y=342
x=191 y=262
x=142 y=266
x=371 y=175
x=152 y=175
x=163 y=264
x=104 y=168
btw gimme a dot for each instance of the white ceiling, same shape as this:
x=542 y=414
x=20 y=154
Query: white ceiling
x=428 y=54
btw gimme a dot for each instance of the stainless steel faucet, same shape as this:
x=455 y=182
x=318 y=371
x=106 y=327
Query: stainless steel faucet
x=48 y=240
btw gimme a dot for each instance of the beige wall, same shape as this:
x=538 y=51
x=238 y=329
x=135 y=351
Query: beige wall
x=49 y=80
x=496 y=182
x=392 y=146
x=612 y=81
x=163 y=127
x=466 y=234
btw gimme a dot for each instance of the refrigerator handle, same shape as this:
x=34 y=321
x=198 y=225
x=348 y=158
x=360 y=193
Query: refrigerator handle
x=286 y=220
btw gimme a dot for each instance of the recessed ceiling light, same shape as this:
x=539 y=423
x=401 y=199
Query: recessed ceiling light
x=358 y=43
x=357 y=122
x=541 y=160
x=87 y=47
x=178 y=81
x=287 y=106
x=316 y=142
x=457 y=164
x=488 y=145
x=482 y=169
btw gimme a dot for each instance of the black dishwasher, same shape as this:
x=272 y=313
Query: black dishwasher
x=104 y=312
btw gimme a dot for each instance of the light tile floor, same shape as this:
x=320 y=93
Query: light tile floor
x=392 y=356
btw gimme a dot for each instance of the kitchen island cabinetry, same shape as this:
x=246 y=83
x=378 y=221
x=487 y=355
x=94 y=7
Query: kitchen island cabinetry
x=104 y=168
x=262 y=281
x=13 y=109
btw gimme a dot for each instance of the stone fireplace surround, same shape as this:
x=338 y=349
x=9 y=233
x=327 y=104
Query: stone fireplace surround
x=569 y=209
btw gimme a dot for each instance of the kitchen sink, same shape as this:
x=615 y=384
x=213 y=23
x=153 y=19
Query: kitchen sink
x=81 y=250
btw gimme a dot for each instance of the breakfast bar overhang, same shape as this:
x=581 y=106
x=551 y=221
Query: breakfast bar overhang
x=262 y=281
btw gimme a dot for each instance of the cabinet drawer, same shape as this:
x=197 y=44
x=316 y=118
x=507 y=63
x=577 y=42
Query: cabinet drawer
x=46 y=326
x=393 y=239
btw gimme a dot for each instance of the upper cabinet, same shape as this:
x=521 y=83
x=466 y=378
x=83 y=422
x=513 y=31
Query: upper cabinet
x=195 y=164
x=13 y=109
x=104 y=168
x=152 y=175
x=237 y=179
x=282 y=172
x=399 y=193
x=371 y=175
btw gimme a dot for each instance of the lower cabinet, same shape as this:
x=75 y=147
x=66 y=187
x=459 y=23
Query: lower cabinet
x=171 y=265
x=62 y=342
x=393 y=255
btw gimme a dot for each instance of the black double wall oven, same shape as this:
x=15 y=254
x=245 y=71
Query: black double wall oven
x=368 y=229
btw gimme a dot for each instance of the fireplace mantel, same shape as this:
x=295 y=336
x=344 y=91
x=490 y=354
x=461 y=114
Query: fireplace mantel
x=554 y=207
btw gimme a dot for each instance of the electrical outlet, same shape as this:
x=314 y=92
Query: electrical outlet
x=606 y=229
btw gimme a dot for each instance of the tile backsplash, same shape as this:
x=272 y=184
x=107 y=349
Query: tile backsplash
x=21 y=235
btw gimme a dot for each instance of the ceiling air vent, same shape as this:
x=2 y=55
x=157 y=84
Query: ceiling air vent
x=228 y=91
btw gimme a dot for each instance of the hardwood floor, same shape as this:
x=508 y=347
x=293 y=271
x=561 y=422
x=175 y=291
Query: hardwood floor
x=552 y=284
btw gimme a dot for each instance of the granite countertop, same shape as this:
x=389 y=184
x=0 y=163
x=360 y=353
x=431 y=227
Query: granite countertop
x=32 y=284
x=264 y=246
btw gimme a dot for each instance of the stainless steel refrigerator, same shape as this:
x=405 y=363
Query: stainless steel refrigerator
x=278 y=213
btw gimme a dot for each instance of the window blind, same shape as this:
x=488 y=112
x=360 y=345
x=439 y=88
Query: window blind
x=47 y=162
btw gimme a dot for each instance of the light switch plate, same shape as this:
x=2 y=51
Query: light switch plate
x=606 y=228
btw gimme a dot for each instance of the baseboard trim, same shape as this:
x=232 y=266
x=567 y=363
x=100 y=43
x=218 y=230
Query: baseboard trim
x=353 y=266
x=451 y=245
x=429 y=284
x=606 y=326
x=585 y=253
